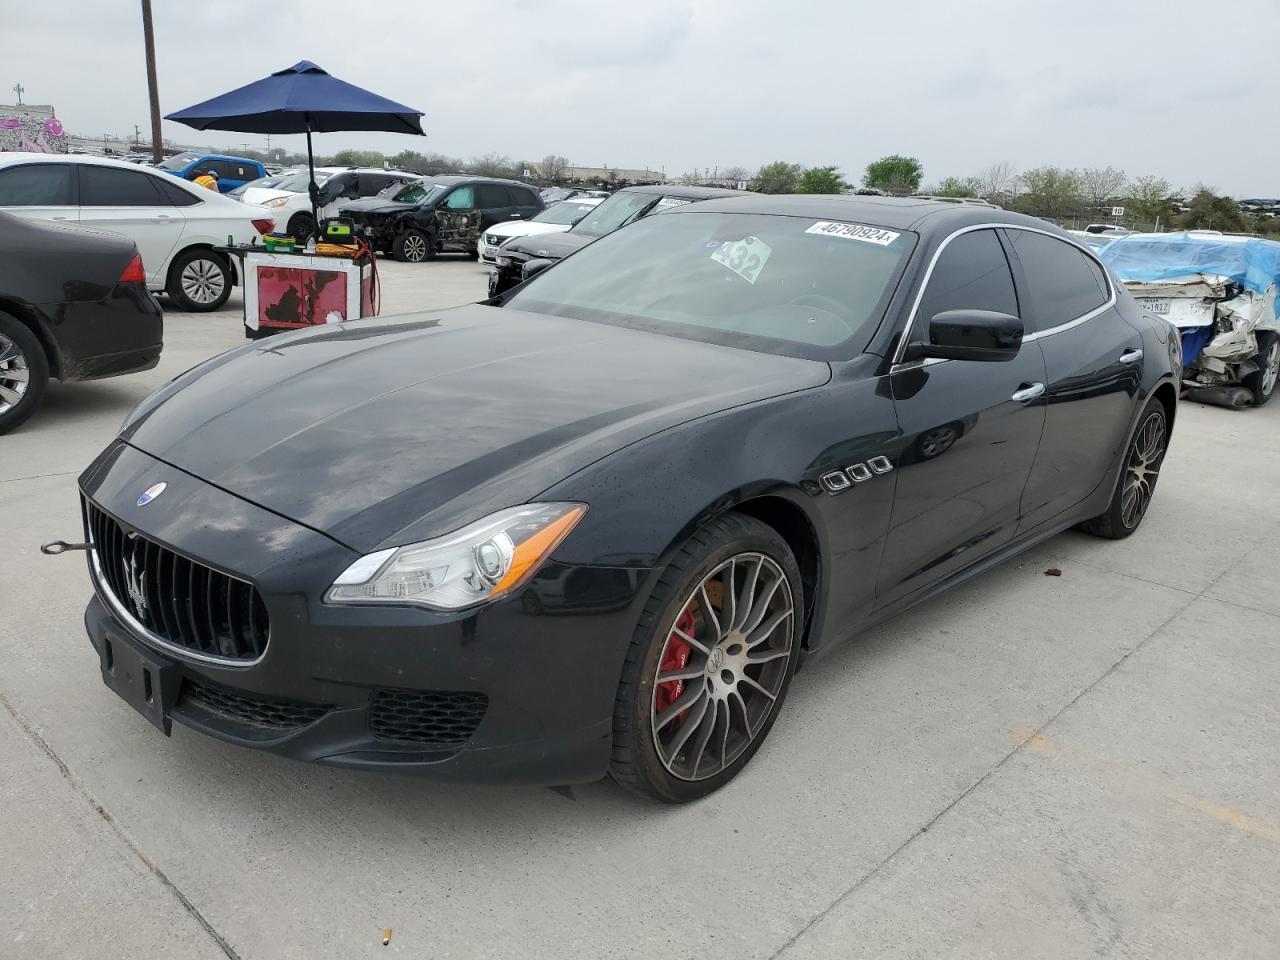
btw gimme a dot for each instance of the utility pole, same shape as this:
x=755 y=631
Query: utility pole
x=19 y=89
x=149 y=40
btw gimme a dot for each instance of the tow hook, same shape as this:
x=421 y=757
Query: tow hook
x=61 y=546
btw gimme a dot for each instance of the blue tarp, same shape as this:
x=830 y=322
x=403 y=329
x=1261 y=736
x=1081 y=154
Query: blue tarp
x=1255 y=264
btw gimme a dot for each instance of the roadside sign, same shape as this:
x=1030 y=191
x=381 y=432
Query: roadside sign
x=1117 y=211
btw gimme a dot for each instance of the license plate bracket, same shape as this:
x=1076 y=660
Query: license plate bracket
x=147 y=682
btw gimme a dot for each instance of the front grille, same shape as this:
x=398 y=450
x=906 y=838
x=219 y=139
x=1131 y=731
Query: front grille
x=181 y=601
x=439 y=717
x=494 y=240
x=263 y=711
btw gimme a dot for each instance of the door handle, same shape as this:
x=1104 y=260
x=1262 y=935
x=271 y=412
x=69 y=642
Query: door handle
x=1131 y=356
x=60 y=218
x=516 y=216
x=1027 y=393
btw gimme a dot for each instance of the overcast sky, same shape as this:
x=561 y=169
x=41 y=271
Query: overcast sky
x=1181 y=89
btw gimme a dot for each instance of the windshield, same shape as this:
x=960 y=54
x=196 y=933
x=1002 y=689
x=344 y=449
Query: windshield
x=419 y=193
x=790 y=285
x=295 y=181
x=566 y=211
x=180 y=162
x=619 y=209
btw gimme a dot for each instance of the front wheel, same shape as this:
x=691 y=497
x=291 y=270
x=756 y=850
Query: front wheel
x=710 y=663
x=1262 y=382
x=301 y=226
x=413 y=246
x=200 y=281
x=1137 y=485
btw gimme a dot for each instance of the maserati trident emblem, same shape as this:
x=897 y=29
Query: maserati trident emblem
x=151 y=493
x=135 y=582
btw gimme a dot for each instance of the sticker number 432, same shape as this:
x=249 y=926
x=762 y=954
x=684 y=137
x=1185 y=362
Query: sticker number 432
x=745 y=257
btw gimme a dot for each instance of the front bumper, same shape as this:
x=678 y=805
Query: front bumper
x=528 y=683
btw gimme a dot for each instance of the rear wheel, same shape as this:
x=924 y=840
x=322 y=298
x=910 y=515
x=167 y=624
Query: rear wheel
x=1262 y=383
x=1143 y=460
x=200 y=281
x=413 y=246
x=24 y=372
x=710 y=663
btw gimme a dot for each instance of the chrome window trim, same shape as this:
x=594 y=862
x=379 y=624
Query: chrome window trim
x=933 y=262
x=121 y=612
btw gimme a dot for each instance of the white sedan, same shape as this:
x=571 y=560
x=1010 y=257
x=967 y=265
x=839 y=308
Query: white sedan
x=174 y=223
x=555 y=219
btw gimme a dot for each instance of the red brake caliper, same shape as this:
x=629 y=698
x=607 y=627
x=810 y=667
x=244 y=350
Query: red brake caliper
x=675 y=657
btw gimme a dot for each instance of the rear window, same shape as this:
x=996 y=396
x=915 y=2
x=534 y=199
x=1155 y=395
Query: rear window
x=788 y=285
x=109 y=187
x=619 y=209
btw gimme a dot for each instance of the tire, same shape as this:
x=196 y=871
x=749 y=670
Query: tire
x=1262 y=384
x=413 y=246
x=757 y=561
x=1139 y=473
x=199 y=281
x=301 y=226
x=24 y=372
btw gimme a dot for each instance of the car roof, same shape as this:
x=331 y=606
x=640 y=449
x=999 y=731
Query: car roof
x=684 y=192
x=902 y=213
x=8 y=159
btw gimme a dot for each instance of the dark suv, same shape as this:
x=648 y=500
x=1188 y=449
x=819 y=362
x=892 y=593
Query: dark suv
x=622 y=208
x=439 y=214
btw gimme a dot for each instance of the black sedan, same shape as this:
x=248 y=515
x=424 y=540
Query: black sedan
x=74 y=305
x=625 y=206
x=594 y=525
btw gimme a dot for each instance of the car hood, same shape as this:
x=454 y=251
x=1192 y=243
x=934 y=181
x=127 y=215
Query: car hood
x=263 y=194
x=382 y=432
x=377 y=205
x=526 y=228
x=552 y=246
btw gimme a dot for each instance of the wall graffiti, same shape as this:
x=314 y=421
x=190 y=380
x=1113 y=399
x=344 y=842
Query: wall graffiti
x=32 y=133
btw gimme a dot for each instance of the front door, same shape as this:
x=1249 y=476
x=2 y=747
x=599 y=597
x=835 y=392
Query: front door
x=1093 y=360
x=458 y=220
x=40 y=191
x=126 y=202
x=969 y=431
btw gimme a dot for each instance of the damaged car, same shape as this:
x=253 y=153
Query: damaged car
x=1220 y=292
x=440 y=215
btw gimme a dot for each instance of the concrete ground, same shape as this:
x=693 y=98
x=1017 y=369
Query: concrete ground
x=1029 y=767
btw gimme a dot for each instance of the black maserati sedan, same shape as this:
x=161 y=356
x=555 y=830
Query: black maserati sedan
x=624 y=207
x=74 y=305
x=594 y=525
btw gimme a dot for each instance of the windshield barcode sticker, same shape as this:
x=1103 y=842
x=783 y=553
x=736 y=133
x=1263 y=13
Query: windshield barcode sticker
x=745 y=257
x=852 y=231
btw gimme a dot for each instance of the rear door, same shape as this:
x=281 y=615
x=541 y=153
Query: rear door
x=527 y=201
x=970 y=430
x=126 y=202
x=1093 y=360
x=40 y=191
x=496 y=205
x=233 y=173
x=458 y=219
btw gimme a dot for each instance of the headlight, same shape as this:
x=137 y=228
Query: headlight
x=277 y=202
x=504 y=261
x=480 y=562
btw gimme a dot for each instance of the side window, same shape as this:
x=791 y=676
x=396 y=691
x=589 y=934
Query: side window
x=493 y=195
x=371 y=183
x=344 y=185
x=109 y=187
x=229 y=170
x=971 y=274
x=1062 y=282
x=463 y=198
x=38 y=185
x=525 y=198
x=172 y=193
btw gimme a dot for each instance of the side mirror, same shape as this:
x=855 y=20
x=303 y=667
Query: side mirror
x=970 y=335
x=535 y=267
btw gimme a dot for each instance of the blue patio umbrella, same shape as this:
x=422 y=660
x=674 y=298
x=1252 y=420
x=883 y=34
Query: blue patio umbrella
x=301 y=99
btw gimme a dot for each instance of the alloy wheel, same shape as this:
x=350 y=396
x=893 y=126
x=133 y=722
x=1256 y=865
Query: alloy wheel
x=1142 y=469
x=15 y=374
x=415 y=248
x=1271 y=368
x=202 y=281
x=723 y=666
